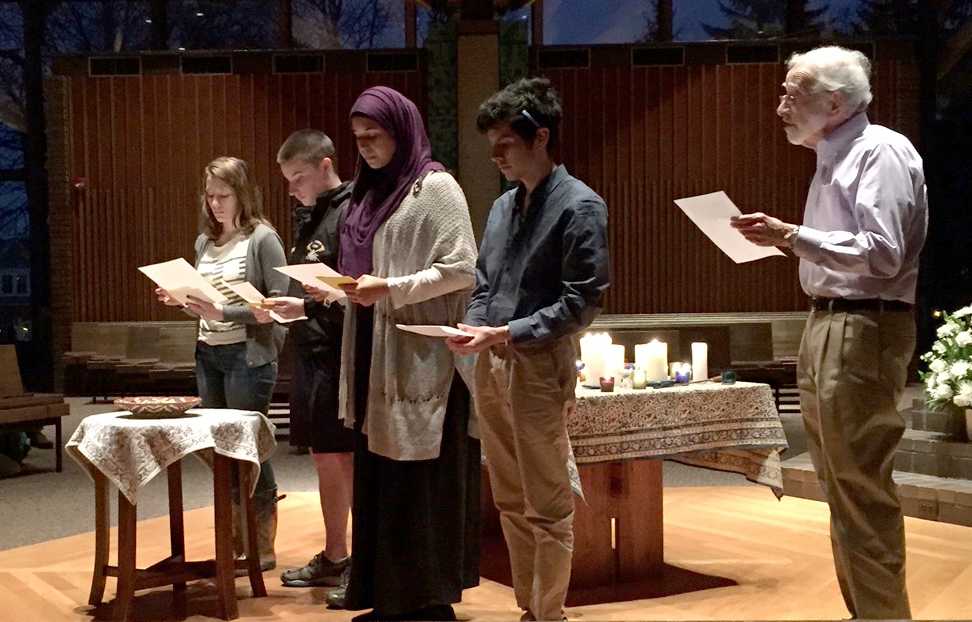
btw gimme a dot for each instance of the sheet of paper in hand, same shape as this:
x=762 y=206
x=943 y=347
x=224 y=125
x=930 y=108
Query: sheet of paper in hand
x=253 y=297
x=311 y=273
x=433 y=331
x=180 y=279
x=711 y=213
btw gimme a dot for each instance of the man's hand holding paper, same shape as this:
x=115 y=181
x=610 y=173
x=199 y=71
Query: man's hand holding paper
x=713 y=214
x=764 y=230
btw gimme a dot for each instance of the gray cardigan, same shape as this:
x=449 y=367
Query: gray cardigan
x=427 y=252
x=266 y=252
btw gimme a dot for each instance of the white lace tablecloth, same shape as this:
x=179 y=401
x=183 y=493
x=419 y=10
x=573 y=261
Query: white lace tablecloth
x=728 y=427
x=130 y=452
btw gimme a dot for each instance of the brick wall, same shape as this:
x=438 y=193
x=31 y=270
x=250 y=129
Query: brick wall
x=60 y=219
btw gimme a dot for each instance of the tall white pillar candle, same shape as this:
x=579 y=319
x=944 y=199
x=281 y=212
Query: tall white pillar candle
x=614 y=362
x=593 y=351
x=656 y=366
x=700 y=361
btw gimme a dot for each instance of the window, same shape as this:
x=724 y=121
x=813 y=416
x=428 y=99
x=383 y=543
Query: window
x=7 y=285
x=22 y=288
x=351 y=24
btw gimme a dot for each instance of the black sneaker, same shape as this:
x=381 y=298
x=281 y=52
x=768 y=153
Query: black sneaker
x=319 y=571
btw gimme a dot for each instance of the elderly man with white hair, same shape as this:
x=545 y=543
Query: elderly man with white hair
x=864 y=226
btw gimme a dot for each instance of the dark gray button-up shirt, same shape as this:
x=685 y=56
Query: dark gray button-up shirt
x=543 y=270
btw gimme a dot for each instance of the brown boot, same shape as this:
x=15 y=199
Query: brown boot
x=266 y=524
x=239 y=545
x=266 y=535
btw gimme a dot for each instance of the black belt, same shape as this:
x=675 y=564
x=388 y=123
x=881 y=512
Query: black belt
x=859 y=304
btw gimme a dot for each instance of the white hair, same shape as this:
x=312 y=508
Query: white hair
x=834 y=68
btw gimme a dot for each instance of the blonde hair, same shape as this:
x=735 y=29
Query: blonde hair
x=834 y=68
x=235 y=173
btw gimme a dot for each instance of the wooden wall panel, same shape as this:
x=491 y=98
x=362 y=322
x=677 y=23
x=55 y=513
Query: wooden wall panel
x=643 y=136
x=640 y=136
x=140 y=143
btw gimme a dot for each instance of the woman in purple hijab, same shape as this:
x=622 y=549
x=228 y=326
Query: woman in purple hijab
x=408 y=242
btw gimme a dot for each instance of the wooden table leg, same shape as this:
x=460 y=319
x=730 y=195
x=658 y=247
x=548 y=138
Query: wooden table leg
x=58 y=460
x=640 y=528
x=101 y=539
x=126 y=559
x=177 y=539
x=249 y=519
x=223 y=514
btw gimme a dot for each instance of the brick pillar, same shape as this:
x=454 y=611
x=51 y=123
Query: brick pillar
x=61 y=220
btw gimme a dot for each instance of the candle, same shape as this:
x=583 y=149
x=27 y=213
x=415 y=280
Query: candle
x=683 y=372
x=593 y=351
x=639 y=380
x=613 y=361
x=652 y=357
x=700 y=361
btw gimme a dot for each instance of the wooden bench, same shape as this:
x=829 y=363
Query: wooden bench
x=19 y=409
x=131 y=358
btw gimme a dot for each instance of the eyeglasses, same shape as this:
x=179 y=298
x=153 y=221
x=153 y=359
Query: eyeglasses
x=530 y=118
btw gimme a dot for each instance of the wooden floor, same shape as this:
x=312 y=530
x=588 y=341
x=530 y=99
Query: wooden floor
x=777 y=554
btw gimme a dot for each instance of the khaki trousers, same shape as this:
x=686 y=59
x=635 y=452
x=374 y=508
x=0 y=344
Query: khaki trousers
x=851 y=372
x=522 y=396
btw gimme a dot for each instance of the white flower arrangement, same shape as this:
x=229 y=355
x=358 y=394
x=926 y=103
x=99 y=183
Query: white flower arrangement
x=949 y=376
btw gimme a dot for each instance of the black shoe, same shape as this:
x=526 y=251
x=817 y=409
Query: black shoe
x=435 y=612
x=338 y=597
x=425 y=614
x=319 y=571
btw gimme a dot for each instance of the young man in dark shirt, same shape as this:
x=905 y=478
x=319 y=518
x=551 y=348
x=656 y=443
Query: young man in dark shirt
x=540 y=278
x=306 y=160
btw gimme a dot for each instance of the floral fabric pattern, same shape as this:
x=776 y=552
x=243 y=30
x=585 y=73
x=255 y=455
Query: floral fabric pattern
x=725 y=427
x=129 y=452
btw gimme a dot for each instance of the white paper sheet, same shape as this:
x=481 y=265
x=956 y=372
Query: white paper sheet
x=253 y=296
x=180 y=279
x=311 y=273
x=433 y=331
x=711 y=214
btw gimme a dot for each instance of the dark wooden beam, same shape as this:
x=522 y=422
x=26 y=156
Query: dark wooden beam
x=160 y=25
x=285 y=35
x=536 y=21
x=664 y=20
x=476 y=9
x=410 y=26
x=35 y=14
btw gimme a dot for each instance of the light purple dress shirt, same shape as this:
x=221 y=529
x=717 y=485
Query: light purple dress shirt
x=866 y=215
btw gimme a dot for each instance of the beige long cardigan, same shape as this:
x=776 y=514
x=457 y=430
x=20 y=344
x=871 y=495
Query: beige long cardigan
x=427 y=251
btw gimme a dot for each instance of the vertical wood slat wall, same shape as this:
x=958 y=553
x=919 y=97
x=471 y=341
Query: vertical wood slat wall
x=140 y=142
x=640 y=136
x=644 y=136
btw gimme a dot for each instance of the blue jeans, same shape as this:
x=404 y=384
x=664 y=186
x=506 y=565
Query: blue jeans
x=225 y=380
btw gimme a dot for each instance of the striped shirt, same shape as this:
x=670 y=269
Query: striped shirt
x=221 y=265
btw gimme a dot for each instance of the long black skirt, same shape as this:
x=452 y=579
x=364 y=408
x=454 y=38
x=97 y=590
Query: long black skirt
x=415 y=530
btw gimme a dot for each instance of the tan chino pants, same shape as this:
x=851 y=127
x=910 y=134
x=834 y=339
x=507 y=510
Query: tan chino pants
x=522 y=396
x=851 y=372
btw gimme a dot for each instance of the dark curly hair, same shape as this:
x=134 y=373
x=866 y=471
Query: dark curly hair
x=527 y=105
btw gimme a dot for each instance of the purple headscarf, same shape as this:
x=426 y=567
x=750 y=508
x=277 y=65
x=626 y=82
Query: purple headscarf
x=378 y=193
